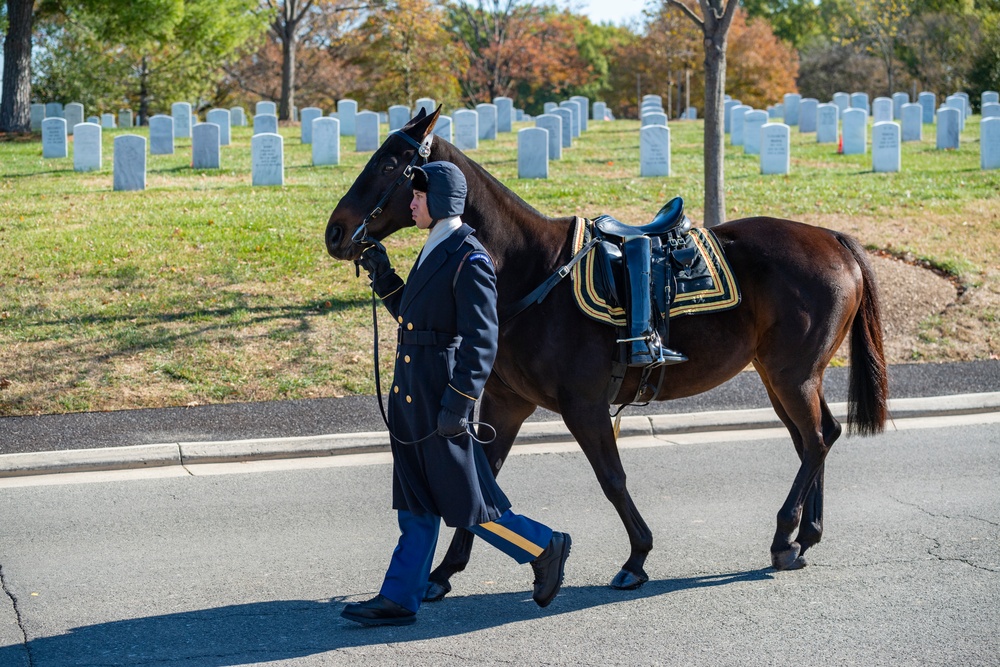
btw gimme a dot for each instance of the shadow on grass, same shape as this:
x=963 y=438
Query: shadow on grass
x=253 y=633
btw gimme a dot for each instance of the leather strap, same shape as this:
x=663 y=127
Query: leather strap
x=538 y=294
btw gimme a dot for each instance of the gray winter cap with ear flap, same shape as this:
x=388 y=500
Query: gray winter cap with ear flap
x=445 y=186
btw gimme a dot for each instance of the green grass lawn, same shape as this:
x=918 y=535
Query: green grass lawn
x=204 y=289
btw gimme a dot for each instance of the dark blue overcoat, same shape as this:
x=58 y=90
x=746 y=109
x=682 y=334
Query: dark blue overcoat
x=448 y=328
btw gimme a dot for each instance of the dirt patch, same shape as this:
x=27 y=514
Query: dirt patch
x=914 y=298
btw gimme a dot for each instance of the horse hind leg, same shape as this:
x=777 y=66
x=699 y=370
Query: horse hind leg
x=804 y=412
x=505 y=412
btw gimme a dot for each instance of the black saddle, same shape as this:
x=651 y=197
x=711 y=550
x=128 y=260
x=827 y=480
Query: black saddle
x=670 y=218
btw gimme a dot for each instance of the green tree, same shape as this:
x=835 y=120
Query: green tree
x=796 y=21
x=150 y=67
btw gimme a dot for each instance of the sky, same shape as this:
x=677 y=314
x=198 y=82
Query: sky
x=613 y=11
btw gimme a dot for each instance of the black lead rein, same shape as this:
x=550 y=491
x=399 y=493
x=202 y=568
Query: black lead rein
x=361 y=238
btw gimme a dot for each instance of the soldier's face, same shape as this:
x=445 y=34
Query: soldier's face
x=418 y=209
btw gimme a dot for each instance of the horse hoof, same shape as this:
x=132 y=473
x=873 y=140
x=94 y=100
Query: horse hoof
x=436 y=591
x=788 y=560
x=628 y=581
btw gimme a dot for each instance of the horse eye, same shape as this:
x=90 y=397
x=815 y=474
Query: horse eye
x=388 y=168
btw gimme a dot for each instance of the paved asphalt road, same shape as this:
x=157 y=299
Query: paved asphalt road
x=210 y=570
x=243 y=421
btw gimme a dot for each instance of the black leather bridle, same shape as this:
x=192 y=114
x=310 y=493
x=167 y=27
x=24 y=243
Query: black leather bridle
x=360 y=236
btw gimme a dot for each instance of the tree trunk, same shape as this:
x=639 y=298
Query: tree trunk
x=15 y=109
x=715 y=147
x=143 y=93
x=287 y=74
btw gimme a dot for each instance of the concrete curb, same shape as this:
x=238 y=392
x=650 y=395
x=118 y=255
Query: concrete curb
x=189 y=453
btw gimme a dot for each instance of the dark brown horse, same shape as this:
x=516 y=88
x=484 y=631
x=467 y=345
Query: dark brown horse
x=804 y=290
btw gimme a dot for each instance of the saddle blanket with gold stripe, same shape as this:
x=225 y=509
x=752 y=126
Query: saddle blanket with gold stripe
x=720 y=293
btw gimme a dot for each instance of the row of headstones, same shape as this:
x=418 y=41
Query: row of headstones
x=73 y=114
x=796 y=110
x=267 y=152
x=652 y=106
x=772 y=141
x=554 y=130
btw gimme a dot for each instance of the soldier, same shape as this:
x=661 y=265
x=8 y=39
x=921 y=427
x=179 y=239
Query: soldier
x=447 y=315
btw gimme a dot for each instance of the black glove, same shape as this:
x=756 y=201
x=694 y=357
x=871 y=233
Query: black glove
x=451 y=424
x=375 y=260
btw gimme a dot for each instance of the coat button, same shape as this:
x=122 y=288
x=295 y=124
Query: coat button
x=395 y=389
x=406 y=358
x=400 y=319
x=409 y=325
x=409 y=400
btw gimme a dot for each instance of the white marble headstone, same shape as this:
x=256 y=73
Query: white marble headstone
x=989 y=97
x=37 y=116
x=130 y=162
x=73 y=113
x=238 y=116
x=855 y=128
x=347 y=111
x=584 y=110
x=927 y=102
x=957 y=102
x=567 y=121
x=325 y=140
x=791 y=102
x=426 y=103
x=807 y=114
x=54 y=110
x=574 y=109
x=843 y=101
x=399 y=115
x=599 y=110
x=266 y=108
x=54 y=141
x=654 y=151
x=532 y=153
x=108 y=121
x=753 y=122
x=885 y=146
x=221 y=118
x=552 y=124
x=775 y=149
x=991 y=110
x=989 y=143
x=366 y=132
x=727 y=115
x=265 y=123
x=442 y=128
x=548 y=107
x=736 y=118
x=205 y=151
x=881 y=110
x=466 y=124
x=268 y=159
x=307 y=116
x=487 y=120
x=161 y=135
x=826 y=123
x=181 y=111
x=653 y=118
x=948 y=127
x=87 y=147
x=898 y=100
x=911 y=118
x=860 y=101
x=505 y=114
x=125 y=119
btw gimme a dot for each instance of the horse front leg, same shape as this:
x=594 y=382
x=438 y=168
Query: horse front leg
x=505 y=412
x=592 y=428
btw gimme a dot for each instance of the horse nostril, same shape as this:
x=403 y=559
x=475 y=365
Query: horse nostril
x=333 y=234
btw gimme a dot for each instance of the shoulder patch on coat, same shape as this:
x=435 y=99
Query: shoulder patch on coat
x=480 y=255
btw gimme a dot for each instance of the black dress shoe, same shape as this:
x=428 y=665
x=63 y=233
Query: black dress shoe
x=549 y=568
x=380 y=610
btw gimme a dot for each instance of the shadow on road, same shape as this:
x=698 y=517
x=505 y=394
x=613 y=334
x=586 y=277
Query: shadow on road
x=257 y=632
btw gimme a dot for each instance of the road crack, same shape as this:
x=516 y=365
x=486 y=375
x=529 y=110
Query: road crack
x=945 y=516
x=17 y=615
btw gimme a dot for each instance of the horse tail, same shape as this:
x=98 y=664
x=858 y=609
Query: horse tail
x=868 y=392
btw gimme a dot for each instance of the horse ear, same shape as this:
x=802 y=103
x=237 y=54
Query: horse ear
x=422 y=124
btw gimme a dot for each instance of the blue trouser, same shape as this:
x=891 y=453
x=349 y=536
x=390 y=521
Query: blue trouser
x=519 y=537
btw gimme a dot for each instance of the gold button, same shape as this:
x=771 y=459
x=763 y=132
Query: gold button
x=409 y=325
x=406 y=358
x=395 y=389
x=400 y=319
x=409 y=400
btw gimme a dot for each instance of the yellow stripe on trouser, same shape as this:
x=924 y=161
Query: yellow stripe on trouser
x=513 y=538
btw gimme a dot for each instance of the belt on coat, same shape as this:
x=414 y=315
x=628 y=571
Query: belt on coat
x=427 y=338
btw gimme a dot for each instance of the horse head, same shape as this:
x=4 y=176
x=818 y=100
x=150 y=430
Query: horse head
x=377 y=181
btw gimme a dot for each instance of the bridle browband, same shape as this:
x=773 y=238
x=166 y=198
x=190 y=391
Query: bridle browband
x=360 y=236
